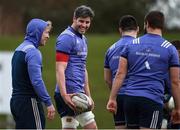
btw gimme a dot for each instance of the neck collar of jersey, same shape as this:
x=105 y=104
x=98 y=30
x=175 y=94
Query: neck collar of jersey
x=74 y=31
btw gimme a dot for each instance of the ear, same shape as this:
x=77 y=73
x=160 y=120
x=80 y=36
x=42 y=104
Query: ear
x=144 y=25
x=137 y=28
x=120 y=30
x=147 y=25
x=74 y=19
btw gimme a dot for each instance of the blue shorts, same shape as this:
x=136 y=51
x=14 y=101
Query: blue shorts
x=119 y=117
x=28 y=113
x=173 y=126
x=142 y=112
x=62 y=108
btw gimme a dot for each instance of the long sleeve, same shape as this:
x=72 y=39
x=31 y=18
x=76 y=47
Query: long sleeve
x=34 y=63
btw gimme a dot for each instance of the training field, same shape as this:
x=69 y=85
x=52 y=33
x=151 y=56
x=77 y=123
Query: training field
x=98 y=45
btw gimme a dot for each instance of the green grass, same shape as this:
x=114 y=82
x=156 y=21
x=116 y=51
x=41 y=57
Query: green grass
x=98 y=45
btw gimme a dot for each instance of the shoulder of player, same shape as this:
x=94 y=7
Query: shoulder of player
x=166 y=44
x=65 y=36
x=162 y=42
x=114 y=45
x=29 y=49
x=33 y=52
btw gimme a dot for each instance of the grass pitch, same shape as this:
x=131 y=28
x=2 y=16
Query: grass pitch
x=98 y=44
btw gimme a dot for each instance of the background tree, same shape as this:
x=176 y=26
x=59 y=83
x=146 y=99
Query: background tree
x=15 y=14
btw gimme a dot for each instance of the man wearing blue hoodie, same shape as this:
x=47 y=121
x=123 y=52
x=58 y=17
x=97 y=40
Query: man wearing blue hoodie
x=29 y=89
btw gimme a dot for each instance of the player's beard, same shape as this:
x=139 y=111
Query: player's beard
x=82 y=31
x=43 y=42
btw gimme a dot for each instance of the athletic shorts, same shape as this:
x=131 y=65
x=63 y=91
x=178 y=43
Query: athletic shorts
x=173 y=126
x=62 y=108
x=142 y=112
x=119 y=117
x=28 y=113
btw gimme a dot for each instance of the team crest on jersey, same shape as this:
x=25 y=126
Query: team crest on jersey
x=148 y=50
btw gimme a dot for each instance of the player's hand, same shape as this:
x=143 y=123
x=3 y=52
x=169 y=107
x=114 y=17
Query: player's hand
x=92 y=103
x=175 y=116
x=112 y=106
x=50 y=112
x=68 y=101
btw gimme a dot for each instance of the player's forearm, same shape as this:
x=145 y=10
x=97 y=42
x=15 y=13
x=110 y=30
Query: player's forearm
x=117 y=83
x=119 y=78
x=87 y=90
x=43 y=94
x=61 y=82
x=175 y=93
x=108 y=82
x=86 y=87
x=108 y=77
x=175 y=85
x=60 y=77
x=38 y=84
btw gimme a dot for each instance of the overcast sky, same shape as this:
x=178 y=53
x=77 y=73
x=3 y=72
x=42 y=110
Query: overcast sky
x=171 y=9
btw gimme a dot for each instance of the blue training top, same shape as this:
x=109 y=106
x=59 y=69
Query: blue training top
x=112 y=58
x=27 y=64
x=149 y=59
x=75 y=45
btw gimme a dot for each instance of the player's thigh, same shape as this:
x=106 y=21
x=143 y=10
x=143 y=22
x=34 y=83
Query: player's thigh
x=174 y=126
x=131 y=112
x=119 y=117
x=151 y=114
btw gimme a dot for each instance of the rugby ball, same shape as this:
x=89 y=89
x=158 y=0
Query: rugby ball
x=82 y=102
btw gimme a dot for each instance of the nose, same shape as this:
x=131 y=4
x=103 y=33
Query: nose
x=84 y=24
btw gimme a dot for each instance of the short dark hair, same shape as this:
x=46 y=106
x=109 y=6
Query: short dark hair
x=176 y=43
x=83 y=11
x=155 y=19
x=128 y=22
